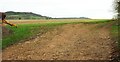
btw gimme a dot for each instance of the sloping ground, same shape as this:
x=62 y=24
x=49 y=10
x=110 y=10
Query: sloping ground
x=68 y=42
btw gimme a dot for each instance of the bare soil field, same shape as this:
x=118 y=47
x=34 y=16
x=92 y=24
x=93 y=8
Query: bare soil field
x=67 y=42
x=52 y=21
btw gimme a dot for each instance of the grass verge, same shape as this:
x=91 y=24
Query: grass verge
x=115 y=34
x=25 y=31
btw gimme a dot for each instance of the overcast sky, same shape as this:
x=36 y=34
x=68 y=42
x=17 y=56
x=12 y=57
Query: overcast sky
x=61 y=8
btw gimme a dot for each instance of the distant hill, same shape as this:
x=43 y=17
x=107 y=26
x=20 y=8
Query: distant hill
x=24 y=15
x=29 y=15
x=84 y=18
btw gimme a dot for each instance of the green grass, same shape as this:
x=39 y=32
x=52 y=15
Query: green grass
x=115 y=34
x=25 y=31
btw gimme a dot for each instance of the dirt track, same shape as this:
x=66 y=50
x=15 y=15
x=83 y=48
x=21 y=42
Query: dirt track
x=68 y=42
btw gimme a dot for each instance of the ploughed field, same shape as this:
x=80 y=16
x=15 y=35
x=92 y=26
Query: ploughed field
x=70 y=40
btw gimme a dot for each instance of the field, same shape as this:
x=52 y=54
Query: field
x=28 y=28
x=57 y=39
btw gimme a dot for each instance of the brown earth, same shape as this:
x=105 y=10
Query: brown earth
x=68 y=42
x=6 y=31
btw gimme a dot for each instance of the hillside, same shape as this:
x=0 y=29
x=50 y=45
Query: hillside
x=24 y=15
x=30 y=15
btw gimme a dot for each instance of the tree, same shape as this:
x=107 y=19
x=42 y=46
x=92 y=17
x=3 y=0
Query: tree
x=117 y=9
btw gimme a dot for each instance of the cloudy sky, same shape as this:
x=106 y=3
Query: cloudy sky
x=61 y=8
